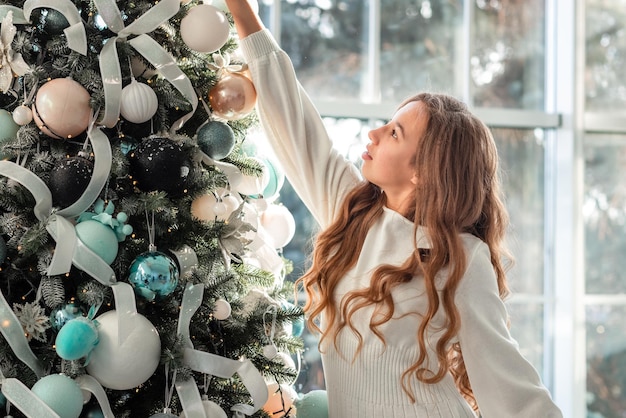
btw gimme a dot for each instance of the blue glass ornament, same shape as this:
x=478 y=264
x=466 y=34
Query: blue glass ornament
x=3 y=400
x=76 y=339
x=60 y=316
x=216 y=139
x=154 y=275
x=61 y=393
x=312 y=405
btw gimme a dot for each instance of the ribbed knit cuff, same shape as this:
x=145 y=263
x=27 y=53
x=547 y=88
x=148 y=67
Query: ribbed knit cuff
x=258 y=44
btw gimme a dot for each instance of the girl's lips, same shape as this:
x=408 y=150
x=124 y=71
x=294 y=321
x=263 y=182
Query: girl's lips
x=366 y=155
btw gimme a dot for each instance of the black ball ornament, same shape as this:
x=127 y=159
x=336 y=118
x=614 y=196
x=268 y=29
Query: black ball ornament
x=160 y=164
x=52 y=22
x=69 y=180
x=216 y=139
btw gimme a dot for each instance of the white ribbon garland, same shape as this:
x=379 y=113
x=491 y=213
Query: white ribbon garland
x=214 y=365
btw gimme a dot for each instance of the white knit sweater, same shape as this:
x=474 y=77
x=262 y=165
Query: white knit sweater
x=369 y=385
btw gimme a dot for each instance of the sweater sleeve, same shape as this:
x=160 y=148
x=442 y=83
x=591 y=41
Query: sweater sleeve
x=505 y=384
x=319 y=175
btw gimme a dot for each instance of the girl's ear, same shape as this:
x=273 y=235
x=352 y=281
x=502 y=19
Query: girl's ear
x=414 y=179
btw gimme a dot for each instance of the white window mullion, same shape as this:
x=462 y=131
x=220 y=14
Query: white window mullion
x=370 y=85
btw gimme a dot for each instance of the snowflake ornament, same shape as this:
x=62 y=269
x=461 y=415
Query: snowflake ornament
x=33 y=319
x=10 y=62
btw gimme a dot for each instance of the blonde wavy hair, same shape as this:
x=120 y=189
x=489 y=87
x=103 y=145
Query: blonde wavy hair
x=456 y=162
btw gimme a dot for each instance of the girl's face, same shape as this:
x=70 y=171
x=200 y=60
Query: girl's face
x=389 y=159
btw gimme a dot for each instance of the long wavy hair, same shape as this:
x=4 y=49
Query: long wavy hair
x=458 y=191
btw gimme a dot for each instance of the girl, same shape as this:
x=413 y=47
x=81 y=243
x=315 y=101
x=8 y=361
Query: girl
x=407 y=282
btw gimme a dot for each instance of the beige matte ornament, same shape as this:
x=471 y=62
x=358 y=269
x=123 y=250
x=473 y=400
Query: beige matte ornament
x=61 y=108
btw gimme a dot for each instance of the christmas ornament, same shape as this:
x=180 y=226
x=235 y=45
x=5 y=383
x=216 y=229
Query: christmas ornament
x=52 y=22
x=99 y=238
x=139 y=102
x=153 y=275
x=280 y=400
x=92 y=412
x=204 y=28
x=69 y=180
x=206 y=208
x=211 y=410
x=10 y=61
x=60 y=316
x=160 y=164
x=61 y=108
x=61 y=393
x=312 y=405
x=76 y=339
x=33 y=320
x=101 y=232
x=276 y=179
x=163 y=415
x=8 y=127
x=233 y=97
x=216 y=139
x=22 y=115
x=122 y=365
x=221 y=309
x=279 y=223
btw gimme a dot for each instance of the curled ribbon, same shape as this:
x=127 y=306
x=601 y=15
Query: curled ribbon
x=214 y=365
x=69 y=249
x=75 y=33
x=148 y=48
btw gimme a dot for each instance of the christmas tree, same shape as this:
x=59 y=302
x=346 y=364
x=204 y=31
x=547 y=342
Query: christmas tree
x=140 y=233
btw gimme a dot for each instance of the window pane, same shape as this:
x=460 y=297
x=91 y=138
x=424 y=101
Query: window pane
x=605 y=44
x=522 y=161
x=326 y=40
x=604 y=214
x=606 y=361
x=421 y=47
x=507 y=61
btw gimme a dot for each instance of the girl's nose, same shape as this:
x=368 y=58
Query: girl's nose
x=373 y=135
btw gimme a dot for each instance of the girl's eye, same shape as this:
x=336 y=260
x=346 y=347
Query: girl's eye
x=394 y=134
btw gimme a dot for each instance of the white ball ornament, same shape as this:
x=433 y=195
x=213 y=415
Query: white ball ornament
x=206 y=208
x=61 y=393
x=221 y=310
x=205 y=28
x=127 y=364
x=231 y=202
x=211 y=410
x=22 y=115
x=138 y=103
x=279 y=224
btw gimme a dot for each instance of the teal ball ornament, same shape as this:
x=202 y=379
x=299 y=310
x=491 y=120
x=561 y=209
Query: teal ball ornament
x=216 y=139
x=76 y=339
x=62 y=315
x=312 y=405
x=61 y=393
x=99 y=238
x=153 y=275
x=92 y=412
x=276 y=181
x=3 y=400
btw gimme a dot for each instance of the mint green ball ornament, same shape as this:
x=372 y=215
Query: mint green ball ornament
x=99 y=238
x=76 y=339
x=8 y=128
x=312 y=405
x=61 y=393
x=216 y=139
